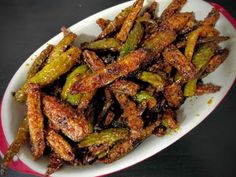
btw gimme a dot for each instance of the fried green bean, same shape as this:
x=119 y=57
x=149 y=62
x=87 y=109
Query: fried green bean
x=124 y=86
x=204 y=31
x=206 y=89
x=54 y=164
x=200 y=59
x=113 y=71
x=104 y=44
x=211 y=18
x=61 y=46
x=39 y=61
x=152 y=78
x=20 y=139
x=51 y=71
x=116 y=23
x=158 y=41
x=74 y=76
x=133 y=39
x=102 y=23
x=129 y=21
x=109 y=136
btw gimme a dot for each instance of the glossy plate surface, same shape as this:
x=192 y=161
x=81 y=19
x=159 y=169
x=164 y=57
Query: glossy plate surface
x=194 y=111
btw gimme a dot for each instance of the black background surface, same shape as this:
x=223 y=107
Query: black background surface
x=207 y=151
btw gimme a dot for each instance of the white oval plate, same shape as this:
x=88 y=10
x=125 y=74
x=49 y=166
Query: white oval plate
x=190 y=114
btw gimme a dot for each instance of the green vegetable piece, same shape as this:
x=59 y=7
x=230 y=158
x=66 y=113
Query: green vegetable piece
x=133 y=39
x=39 y=61
x=105 y=44
x=202 y=56
x=74 y=76
x=108 y=136
x=62 y=46
x=190 y=88
x=158 y=41
x=142 y=96
x=51 y=71
x=152 y=78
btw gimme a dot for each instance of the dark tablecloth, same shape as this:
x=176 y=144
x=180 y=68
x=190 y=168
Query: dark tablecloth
x=207 y=151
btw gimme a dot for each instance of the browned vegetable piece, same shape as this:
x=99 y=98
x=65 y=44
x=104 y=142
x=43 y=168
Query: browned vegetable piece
x=85 y=100
x=161 y=65
x=107 y=104
x=172 y=8
x=60 y=146
x=131 y=113
x=174 y=95
x=160 y=131
x=109 y=118
x=211 y=18
x=124 y=86
x=173 y=56
x=118 y=151
x=116 y=23
x=35 y=118
x=123 y=148
x=104 y=44
x=112 y=72
x=206 y=89
x=54 y=164
x=39 y=61
x=159 y=40
x=169 y=119
x=215 y=39
x=102 y=23
x=130 y=19
x=177 y=22
x=190 y=26
x=64 y=117
x=14 y=148
x=217 y=60
x=152 y=9
x=204 y=31
x=145 y=99
x=92 y=60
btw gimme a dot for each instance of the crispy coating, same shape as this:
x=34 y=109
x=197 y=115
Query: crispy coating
x=102 y=23
x=159 y=40
x=172 y=8
x=203 y=31
x=51 y=71
x=64 y=117
x=59 y=146
x=206 y=89
x=124 y=86
x=132 y=114
x=211 y=18
x=39 y=61
x=129 y=21
x=116 y=23
x=124 y=66
x=119 y=151
x=109 y=118
x=20 y=139
x=152 y=9
x=169 y=119
x=173 y=56
x=54 y=163
x=217 y=60
x=104 y=44
x=177 y=22
x=92 y=60
x=35 y=118
x=174 y=95
x=190 y=26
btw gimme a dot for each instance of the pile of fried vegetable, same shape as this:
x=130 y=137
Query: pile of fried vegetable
x=100 y=100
